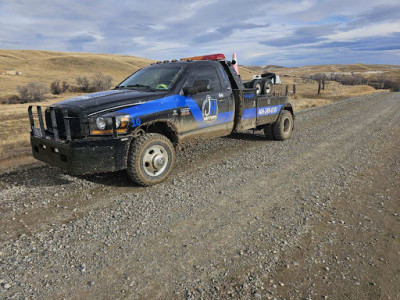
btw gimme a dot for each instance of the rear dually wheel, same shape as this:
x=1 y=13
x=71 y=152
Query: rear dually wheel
x=282 y=128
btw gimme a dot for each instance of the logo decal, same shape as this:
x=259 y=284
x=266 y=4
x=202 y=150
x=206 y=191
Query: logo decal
x=185 y=111
x=210 y=109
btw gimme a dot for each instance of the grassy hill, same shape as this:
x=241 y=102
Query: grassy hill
x=369 y=71
x=47 y=66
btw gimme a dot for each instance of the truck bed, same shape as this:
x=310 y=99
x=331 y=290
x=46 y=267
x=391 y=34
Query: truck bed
x=252 y=110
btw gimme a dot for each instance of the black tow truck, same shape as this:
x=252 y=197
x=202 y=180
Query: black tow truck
x=138 y=125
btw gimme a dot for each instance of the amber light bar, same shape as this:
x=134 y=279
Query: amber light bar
x=107 y=131
x=218 y=56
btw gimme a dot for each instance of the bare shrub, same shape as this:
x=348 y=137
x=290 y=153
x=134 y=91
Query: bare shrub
x=33 y=91
x=395 y=87
x=101 y=82
x=13 y=99
x=65 y=86
x=387 y=83
x=382 y=82
x=23 y=92
x=57 y=88
x=75 y=89
x=83 y=83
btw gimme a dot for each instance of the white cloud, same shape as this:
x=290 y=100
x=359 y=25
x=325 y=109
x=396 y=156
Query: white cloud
x=383 y=29
x=173 y=29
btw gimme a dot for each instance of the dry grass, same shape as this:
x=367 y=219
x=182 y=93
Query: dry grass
x=306 y=93
x=368 y=71
x=47 y=66
x=14 y=132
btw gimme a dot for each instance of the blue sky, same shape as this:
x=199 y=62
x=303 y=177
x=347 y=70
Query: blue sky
x=288 y=33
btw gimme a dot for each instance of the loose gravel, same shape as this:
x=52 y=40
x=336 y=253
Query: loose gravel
x=233 y=216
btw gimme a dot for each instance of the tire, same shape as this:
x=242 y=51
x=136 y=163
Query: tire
x=267 y=89
x=257 y=84
x=268 y=132
x=282 y=128
x=150 y=159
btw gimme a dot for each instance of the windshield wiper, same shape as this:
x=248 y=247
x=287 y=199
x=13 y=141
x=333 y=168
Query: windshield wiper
x=141 y=86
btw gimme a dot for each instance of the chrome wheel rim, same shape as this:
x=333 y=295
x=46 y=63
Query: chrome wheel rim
x=155 y=160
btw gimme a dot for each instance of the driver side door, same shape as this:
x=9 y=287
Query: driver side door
x=206 y=113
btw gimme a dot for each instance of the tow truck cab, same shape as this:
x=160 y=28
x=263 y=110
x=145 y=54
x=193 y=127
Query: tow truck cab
x=136 y=125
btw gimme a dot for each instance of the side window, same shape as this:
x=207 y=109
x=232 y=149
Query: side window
x=205 y=72
x=225 y=78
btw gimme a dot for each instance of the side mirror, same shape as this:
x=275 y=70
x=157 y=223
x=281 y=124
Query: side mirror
x=199 y=86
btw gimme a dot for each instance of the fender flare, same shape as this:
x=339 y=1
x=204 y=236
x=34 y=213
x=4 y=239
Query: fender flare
x=162 y=126
x=288 y=106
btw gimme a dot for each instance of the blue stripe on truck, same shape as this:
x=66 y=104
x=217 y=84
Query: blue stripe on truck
x=175 y=102
x=249 y=113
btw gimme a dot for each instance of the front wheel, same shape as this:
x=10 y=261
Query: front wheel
x=282 y=128
x=150 y=159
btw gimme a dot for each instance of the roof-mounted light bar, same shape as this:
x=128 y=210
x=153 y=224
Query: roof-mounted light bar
x=218 y=56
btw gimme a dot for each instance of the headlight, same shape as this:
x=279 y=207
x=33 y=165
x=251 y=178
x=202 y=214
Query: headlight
x=118 y=122
x=101 y=123
x=104 y=125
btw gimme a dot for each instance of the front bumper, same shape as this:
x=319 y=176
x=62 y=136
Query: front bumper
x=83 y=156
x=76 y=155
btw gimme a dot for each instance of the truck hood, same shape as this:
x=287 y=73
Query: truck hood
x=107 y=100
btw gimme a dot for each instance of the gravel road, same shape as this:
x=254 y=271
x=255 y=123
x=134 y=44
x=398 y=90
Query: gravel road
x=240 y=217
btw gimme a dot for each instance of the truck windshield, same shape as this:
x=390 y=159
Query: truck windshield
x=153 y=78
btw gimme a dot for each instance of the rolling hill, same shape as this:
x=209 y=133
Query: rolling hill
x=47 y=66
